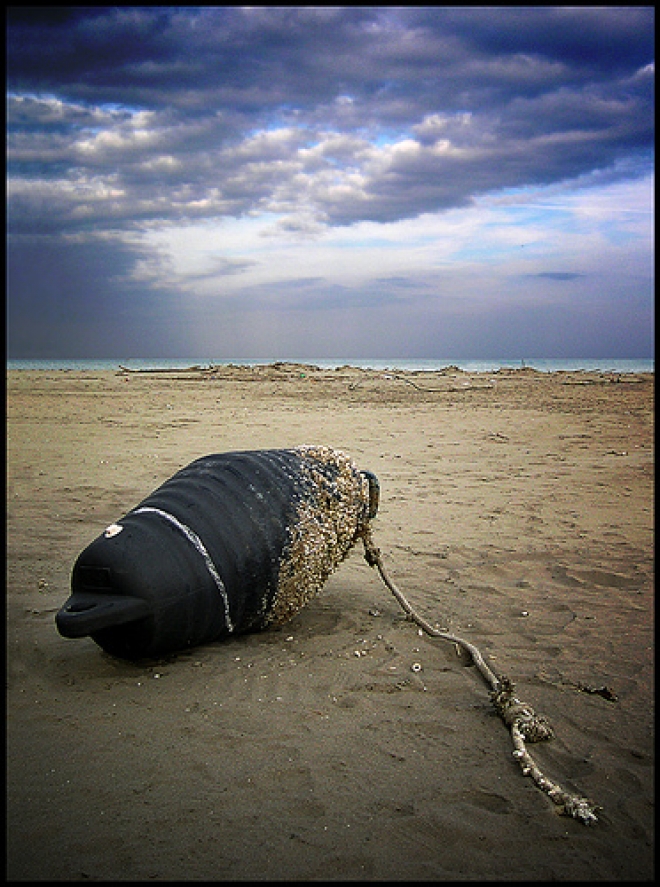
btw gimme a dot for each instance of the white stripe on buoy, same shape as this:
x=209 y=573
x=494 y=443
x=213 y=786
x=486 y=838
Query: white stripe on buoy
x=191 y=536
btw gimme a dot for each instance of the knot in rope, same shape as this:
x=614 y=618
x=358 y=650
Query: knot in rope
x=533 y=727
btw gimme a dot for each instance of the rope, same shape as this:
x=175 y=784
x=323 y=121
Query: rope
x=521 y=719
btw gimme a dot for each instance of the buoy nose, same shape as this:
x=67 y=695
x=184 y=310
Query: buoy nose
x=88 y=612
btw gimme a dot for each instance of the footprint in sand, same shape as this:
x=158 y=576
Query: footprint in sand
x=491 y=802
x=603 y=578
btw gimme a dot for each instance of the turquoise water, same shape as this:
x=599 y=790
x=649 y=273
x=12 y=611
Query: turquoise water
x=616 y=365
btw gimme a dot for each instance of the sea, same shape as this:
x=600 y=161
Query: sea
x=546 y=365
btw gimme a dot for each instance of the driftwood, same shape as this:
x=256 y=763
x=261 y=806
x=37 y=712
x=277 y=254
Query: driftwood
x=607 y=380
x=192 y=369
x=450 y=388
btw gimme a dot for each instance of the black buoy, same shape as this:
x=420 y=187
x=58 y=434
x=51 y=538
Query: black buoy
x=232 y=543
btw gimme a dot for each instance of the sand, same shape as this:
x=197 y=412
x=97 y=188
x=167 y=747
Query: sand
x=516 y=511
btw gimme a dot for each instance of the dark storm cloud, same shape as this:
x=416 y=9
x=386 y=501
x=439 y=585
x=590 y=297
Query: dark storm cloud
x=79 y=298
x=557 y=275
x=123 y=115
x=605 y=42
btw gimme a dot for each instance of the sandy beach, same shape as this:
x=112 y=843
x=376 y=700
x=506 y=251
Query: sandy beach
x=516 y=511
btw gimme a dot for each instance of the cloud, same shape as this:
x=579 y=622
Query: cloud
x=230 y=152
x=232 y=110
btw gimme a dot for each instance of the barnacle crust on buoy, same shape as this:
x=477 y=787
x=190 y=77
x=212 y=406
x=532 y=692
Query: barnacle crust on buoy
x=330 y=517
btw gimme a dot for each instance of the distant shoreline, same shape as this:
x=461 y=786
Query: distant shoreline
x=619 y=366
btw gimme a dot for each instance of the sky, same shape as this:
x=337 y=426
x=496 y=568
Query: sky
x=330 y=182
